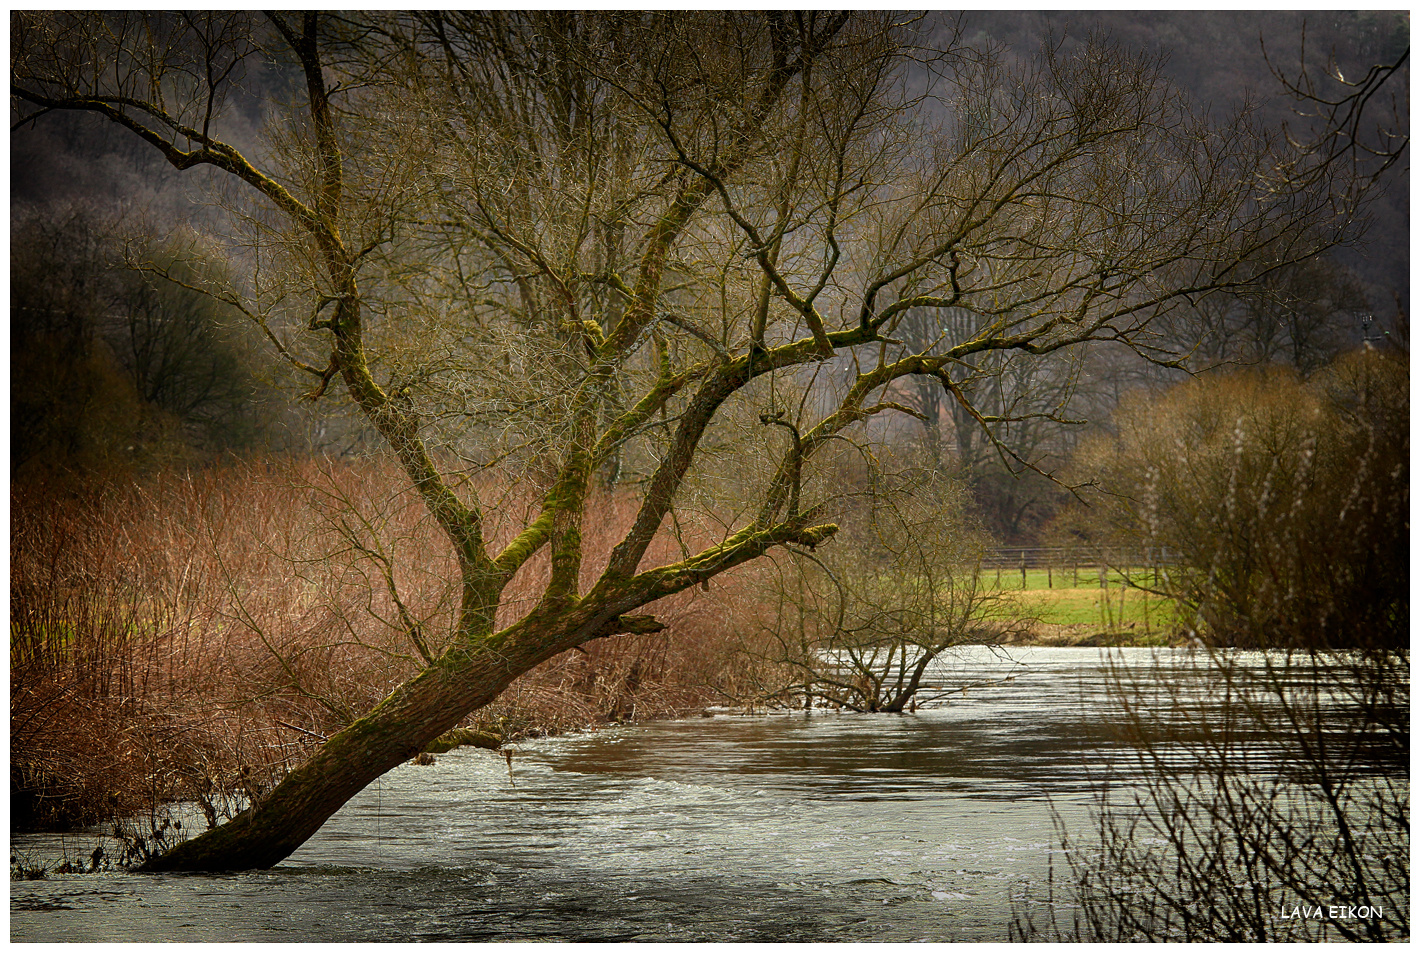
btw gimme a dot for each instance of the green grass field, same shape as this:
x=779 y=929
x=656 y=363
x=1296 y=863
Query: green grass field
x=1063 y=598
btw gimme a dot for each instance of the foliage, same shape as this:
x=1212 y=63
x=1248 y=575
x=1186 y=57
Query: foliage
x=1281 y=498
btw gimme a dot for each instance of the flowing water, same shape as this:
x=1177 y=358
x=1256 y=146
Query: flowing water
x=804 y=827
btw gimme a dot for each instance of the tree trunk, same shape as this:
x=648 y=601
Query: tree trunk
x=400 y=727
x=909 y=691
x=462 y=680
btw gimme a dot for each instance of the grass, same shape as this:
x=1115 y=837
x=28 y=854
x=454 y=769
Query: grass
x=1067 y=599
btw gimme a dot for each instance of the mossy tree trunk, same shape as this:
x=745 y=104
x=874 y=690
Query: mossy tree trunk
x=416 y=713
x=462 y=680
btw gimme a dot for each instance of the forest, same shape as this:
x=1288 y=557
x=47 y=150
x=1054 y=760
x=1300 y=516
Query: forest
x=387 y=382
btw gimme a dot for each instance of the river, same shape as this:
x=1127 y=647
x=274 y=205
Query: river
x=777 y=827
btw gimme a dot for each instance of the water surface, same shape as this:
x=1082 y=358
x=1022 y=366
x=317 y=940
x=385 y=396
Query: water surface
x=805 y=827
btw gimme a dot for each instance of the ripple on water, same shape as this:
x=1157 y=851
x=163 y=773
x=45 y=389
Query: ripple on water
x=782 y=827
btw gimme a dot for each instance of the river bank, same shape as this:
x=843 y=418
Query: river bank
x=87 y=761
x=192 y=637
x=1087 y=635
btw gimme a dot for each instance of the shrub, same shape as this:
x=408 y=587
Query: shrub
x=1281 y=502
x=1271 y=789
x=191 y=637
x=857 y=623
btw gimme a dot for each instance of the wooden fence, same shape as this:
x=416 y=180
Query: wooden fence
x=1070 y=565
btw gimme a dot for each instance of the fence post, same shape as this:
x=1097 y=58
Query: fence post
x=1023 y=570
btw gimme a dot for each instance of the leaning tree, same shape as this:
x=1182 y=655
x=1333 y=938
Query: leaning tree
x=652 y=250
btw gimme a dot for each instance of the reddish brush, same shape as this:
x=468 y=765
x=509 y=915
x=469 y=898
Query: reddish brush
x=193 y=636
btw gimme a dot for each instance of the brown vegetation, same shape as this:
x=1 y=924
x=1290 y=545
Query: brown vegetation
x=194 y=637
x=1280 y=501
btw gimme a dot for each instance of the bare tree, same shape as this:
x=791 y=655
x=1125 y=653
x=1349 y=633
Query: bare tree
x=565 y=245
x=187 y=353
x=1304 y=316
x=58 y=286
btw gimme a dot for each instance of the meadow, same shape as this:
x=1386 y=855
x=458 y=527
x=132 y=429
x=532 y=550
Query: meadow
x=1086 y=605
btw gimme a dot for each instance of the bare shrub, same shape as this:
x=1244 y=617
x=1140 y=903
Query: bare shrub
x=857 y=626
x=1273 y=806
x=123 y=682
x=1280 y=501
x=1280 y=791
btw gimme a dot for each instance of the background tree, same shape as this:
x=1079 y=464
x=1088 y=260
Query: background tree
x=118 y=370
x=58 y=287
x=1303 y=316
x=1033 y=402
x=552 y=242
x=189 y=354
